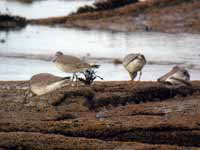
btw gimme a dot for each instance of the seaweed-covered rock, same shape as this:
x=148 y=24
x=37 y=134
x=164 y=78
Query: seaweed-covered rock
x=11 y=22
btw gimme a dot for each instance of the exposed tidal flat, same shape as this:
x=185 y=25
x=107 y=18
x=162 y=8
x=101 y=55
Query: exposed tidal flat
x=151 y=15
x=106 y=115
x=111 y=114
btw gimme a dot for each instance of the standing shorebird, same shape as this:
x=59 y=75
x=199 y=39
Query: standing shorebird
x=44 y=83
x=70 y=64
x=177 y=76
x=134 y=63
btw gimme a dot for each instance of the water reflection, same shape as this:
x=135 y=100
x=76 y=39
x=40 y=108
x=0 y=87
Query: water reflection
x=42 y=9
x=155 y=46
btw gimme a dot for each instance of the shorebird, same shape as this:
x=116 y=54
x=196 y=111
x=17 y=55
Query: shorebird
x=44 y=83
x=70 y=64
x=134 y=63
x=177 y=76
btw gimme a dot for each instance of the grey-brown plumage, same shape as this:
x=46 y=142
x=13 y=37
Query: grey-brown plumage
x=134 y=63
x=44 y=83
x=70 y=64
x=177 y=76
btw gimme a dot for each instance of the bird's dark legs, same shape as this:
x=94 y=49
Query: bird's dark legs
x=75 y=78
x=140 y=75
x=133 y=75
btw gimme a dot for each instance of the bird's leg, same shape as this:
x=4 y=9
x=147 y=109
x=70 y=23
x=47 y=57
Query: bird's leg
x=76 y=77
x=133 y=75
x=130 y=74
x=140 y=75
x=73 y=77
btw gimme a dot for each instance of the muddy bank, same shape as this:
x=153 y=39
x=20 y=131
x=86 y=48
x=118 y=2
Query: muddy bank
x=25 y=1
x=153 y=15
x=107 y=115
x=10 y=22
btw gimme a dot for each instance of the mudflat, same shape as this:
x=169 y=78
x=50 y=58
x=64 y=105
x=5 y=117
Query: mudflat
x=169 y=16
x=105 y=115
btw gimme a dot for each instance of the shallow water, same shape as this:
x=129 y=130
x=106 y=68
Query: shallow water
x=162 y=51
x=23 y=69
x=155 y=46
x=43 y=8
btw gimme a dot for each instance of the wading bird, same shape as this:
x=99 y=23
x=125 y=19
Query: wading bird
x=177 y=76
x=44 y=83
x=134 y=63
x=71 y=64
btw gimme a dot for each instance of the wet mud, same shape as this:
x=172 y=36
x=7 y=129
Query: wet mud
x=105 y=115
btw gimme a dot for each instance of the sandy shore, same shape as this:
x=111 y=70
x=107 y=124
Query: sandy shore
x=107 y=115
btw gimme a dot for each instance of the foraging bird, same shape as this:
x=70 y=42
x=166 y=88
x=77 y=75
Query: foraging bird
x=177 y=76
x=70 y=64
x=134 y=63
x=44 y=83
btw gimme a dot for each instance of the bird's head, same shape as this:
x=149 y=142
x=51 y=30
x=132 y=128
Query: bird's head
x=141 y=57
x=57 y=55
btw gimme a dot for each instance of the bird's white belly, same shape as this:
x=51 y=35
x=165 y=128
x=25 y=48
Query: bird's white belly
x=135 y=65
